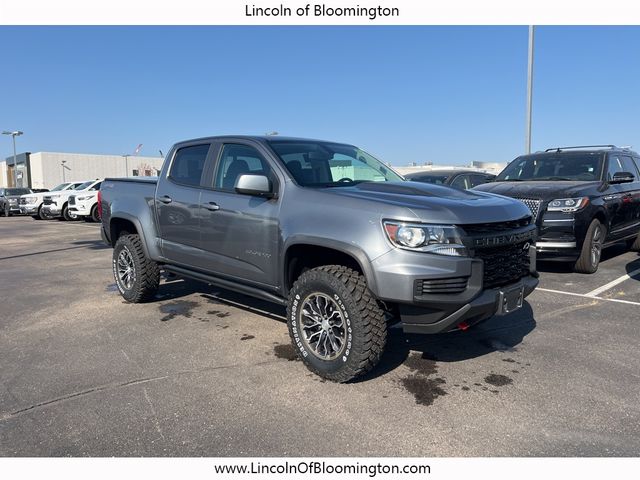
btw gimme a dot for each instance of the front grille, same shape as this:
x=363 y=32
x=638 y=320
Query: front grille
x=533 y=204
x=22 y=201
x=47 y=201
x=504 y=264
x=484 y=228
x=441 y=285
x=72 y=200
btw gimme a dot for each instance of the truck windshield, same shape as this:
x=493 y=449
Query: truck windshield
x=324 y=164
x=59 y=187
x=575 y=166
x=17 y=191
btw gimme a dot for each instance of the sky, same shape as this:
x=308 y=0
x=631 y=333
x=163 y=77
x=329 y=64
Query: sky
x=449 y=95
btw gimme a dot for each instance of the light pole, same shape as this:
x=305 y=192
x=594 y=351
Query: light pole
x=64 y=180
x=14 y=134
x=126 y=165
x=529 y=89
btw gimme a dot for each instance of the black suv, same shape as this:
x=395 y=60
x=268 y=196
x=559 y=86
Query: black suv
x=463 y=179
x=582 y=199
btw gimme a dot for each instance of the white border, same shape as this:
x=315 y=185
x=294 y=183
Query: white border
x=232 y=12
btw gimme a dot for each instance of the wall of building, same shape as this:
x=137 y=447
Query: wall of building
x=4 y=181
x=47 y=167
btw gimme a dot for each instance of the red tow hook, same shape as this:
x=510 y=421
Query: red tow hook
x=463 y=326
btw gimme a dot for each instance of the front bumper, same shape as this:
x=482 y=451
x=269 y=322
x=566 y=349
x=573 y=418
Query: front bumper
x=80 y=208
x=28 y=209
x=454 y=291
x=417 y=319
x=52 y=210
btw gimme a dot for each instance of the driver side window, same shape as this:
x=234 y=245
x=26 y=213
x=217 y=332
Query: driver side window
x=236 y=160
x=619 y=164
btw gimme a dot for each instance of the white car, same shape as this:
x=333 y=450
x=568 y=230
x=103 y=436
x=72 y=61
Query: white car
x=85 y=204
x=56 y=204
x=31 y=203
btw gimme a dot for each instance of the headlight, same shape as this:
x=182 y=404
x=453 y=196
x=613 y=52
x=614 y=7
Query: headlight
x=438 y=239
x=567 y=205
x=86 y=197
x=54 y=197
x=30 y=200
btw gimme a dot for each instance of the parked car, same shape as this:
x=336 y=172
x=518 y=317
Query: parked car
x=327 y=230
x=463 y=179
x=583 y=199
x=9 y=200
x=31 y=204
x=85 y=204
x=56 y=205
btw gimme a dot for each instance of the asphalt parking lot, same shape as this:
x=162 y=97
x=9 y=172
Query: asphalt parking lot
x=202 y=371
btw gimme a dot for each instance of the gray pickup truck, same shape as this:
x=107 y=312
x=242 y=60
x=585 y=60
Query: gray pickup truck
x=327 y=230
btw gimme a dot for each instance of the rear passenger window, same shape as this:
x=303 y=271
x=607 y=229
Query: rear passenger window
x=236 y=160
x=188 y=164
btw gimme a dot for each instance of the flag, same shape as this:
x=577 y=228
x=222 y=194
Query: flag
x=138 y=148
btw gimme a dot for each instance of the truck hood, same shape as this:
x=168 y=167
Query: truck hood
x=543 y=190
x=435 y=203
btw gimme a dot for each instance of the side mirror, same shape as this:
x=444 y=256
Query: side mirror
x=257 y=185
x=623 y=177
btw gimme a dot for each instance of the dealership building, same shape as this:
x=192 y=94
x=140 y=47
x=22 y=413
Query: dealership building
x=48 y=169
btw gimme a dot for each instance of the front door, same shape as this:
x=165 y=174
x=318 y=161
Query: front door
x=240 y=233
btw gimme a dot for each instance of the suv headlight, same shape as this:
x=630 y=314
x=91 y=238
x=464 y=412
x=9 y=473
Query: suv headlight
x=567 y=205
x=30 y=200
x=54 y=197
x=86 y=197
x=438 y=239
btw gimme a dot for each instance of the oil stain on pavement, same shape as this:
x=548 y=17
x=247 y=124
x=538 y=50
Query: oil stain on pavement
x=181 y=308
x=420 y=383
x=286 y=352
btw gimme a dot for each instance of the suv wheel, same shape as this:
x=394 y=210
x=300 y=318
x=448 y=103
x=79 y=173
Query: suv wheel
x=95 y=215
x=137 y=277
x=335 y=323
x=41 y=214
x=592 y=248
x=66 y=214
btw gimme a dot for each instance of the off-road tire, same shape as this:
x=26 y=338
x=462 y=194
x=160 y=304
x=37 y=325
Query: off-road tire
x=586 y=263
x=363 y=317
x=146 y=272
x=633 y=244
x=95 y=214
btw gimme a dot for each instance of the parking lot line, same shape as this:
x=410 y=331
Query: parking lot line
x=591 y=297
x=613 y=283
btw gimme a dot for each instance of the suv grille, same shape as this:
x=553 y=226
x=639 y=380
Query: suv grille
x=504 y=264
x=47 y=201
x=533 y=204
x=441 y=285
x=22 y=201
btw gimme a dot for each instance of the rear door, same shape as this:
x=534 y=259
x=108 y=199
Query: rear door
x=622 y=198
x=177 y=203
x=240 y=233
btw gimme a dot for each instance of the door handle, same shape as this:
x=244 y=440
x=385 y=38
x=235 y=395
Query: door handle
x=212 y=206
x=165 y=199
